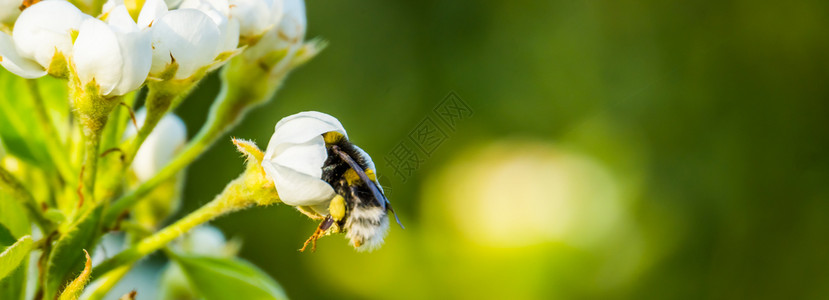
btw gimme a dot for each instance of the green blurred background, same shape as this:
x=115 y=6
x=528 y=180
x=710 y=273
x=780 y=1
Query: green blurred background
x=618 y=149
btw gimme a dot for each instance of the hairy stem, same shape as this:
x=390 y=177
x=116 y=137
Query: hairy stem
x=109 y=281
x=224 y=113
x=157 y=105
x=236 y=196
x=92 y=140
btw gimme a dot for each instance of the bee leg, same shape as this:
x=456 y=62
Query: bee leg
x=320 y=232
x=308 y=212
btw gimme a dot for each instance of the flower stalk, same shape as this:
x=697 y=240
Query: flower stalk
x=92 y=110
x=237 y=96
x=249 y=189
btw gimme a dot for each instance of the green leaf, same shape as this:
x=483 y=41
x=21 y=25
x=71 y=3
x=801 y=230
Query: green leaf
x=21 y=133
x=66 y=258
x=13 y=286
x=14 y=220
x=75 y=288
x=6 y=237
x=12 y=256
x=228 y=278
x=13 y=216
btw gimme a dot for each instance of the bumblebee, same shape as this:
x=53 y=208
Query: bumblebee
x=359 y=208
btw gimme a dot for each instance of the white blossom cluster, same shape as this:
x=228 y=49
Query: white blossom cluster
x=118 y=53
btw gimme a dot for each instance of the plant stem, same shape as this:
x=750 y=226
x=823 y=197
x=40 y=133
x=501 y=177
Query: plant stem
x=92 y=140
x=228 y=108
x=53 y=145
x=236 y=196
x=157 y=105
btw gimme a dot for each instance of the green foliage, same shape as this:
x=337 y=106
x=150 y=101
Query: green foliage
x=66 y=259
x=13 y=255
x=13 y=216
x=228 y=278
x=19 y=128
x=13 y=222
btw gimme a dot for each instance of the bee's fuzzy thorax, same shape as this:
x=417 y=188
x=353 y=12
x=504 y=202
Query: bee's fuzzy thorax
x=367 y=226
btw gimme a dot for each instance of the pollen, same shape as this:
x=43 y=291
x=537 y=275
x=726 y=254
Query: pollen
x=332 y=137
x=351 y=176
x=337 y=208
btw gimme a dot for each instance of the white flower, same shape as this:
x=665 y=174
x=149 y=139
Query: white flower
x=160 y=147
x=40 y=33
x=256 y=16
x=219 y=12
x=116 y=55
x=9 y=10
x=287 y=37
x=295 y=157
x=188 y=36
x=12 y=61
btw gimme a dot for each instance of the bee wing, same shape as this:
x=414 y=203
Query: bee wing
x=364 y=177
x=388 y=204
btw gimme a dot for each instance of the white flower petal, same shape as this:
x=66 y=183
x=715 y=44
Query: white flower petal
x=302 y=127
x=230 y=36
x=218 y=11
x=137 y=48
x=255 y=16
x=9 y=10
x=110 y=5
x=98 y=55
x=292 y=27
x=152 y=10
x=160 y=147
x=189 y=36
x=295 y=156
x=306 y=158
x=298 y=189
x=47 y=27
x=120 y=19
x=11 y=60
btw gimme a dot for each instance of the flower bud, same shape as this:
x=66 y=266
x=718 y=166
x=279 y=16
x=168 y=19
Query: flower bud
x=256 y=16
x=43 y=35
x=219 y=12
x=155 y=153
x=185 y=41
x=284 y=39
x=115 y=55
x=160 y=147
x=47 y=28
